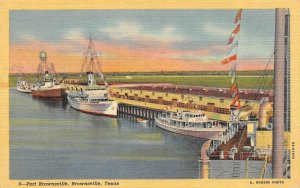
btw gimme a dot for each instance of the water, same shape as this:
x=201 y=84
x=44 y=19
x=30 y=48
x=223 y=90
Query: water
x=50 y=140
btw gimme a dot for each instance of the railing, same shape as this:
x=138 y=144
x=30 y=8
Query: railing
x=243 y=156
x=263 y=169
x=247 y=168
x=241 y=138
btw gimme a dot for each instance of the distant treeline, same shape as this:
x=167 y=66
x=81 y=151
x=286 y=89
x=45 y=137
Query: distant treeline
x=168 y=73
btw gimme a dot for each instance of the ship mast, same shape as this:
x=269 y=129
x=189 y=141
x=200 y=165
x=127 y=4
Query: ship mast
x=92 y=64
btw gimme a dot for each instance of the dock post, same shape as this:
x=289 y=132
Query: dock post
x=204 y=160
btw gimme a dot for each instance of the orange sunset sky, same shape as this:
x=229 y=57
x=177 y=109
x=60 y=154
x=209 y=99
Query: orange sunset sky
x=140 y=41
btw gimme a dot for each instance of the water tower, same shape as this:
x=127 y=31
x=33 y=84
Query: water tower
x=43 y=63
x=43 y=56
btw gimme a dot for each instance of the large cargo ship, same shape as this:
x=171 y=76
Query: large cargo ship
x=194 y=124
x=94 y=99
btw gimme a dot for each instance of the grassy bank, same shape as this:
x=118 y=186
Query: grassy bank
x=244 y=81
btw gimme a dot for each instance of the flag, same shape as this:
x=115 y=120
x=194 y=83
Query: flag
x=229 y=59
x=233 y=34
x=232 y=70
x=236 y=102
x=238 y=16
x=236 y=30
x=233 y=88
x=232 y=46
x=231 y=38
x=231 y=55
x=233 y=78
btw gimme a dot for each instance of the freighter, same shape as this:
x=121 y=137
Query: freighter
x=194 y=124
x=93 y=99
x=49 y=86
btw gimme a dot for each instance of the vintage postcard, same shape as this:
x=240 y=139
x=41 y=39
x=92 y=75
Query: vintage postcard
x=149 y=94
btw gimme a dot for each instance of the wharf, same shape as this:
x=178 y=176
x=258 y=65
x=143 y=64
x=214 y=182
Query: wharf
x=215 y=102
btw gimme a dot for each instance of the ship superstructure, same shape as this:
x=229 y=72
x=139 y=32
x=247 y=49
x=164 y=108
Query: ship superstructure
x=48 y=86
x=194 y=124
x=93 y=99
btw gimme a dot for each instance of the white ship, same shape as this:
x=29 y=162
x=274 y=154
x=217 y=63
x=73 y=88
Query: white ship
x=194 y=124
x=23 y=86
x=22 y=83
x=93 y=99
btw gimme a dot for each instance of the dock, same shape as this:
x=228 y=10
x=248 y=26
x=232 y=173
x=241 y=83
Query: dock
x=147 y=101
x=214 y=102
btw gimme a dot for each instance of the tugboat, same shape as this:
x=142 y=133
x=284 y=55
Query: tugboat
x=94 y=99
x=49 y=86
x=194 y=124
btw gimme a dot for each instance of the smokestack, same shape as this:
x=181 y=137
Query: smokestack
x=279 y=67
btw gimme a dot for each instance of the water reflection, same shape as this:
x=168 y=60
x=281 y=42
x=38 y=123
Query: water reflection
x=52 y=102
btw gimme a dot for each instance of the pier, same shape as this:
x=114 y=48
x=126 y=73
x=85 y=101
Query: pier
x=147 y=100
x=138 y=111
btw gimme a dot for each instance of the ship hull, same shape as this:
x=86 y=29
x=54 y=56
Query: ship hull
x=55 y=93
x=24 y=90
x=140 y=120
x=107 y=108
x=207 y=133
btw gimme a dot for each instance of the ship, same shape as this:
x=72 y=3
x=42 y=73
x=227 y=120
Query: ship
x=22 y=83
x=195 y=124
x=94 y=99
x=49 y=87
x=141 y=120
x=23 y=86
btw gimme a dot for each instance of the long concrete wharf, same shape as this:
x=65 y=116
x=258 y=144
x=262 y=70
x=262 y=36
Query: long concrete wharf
x=146 y=100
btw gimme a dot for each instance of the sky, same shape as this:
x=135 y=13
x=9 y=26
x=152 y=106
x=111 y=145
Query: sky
x=140 y=40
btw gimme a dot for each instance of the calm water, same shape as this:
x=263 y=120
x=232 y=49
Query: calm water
x=50 y=140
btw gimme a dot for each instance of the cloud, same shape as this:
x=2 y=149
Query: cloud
x=216 y=30
x=133 y=31
x=28 y=38
x=74 y=34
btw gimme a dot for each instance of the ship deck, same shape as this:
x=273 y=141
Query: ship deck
x=238 y=140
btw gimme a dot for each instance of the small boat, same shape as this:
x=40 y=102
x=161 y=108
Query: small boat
x=140 y=120
x=94 y=99
x=194 y=124
x=24 y=86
